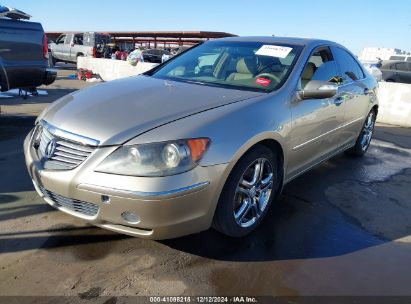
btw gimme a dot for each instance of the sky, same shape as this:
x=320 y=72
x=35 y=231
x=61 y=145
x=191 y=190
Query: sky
x=355 y=24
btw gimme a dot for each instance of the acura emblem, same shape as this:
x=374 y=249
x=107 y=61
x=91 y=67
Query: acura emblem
x=50 y=148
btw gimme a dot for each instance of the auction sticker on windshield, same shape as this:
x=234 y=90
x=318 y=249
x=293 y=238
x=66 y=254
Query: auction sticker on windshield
x=274 y=51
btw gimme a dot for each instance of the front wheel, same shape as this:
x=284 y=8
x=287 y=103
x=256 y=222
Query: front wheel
x=364 y=139
x=248 y=193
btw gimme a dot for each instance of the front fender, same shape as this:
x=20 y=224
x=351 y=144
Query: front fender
x=232 y=129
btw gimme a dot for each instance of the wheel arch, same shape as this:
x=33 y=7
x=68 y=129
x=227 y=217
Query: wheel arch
x=272 y=144
x=269 y=140
x=375 y=108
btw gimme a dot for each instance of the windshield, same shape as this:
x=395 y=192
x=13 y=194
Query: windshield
x=241 y=65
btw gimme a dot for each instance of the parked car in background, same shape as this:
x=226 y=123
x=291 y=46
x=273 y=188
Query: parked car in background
x=154 y=55
x=193 y=146
x=23 y=52
x=373 y=67
x=69 y=46
x=396 y=71
x=174 y=52
x=406 y=58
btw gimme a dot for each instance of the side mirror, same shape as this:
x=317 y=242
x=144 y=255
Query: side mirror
x=318 y=89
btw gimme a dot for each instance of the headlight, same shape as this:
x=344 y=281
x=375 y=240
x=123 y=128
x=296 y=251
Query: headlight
x=155 y=159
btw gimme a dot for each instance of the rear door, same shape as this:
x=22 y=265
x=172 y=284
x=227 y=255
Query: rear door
x=76 y=47
x=352 y=95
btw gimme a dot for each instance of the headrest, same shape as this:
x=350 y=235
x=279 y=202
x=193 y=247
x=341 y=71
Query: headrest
x=246 y=66
x=308 y=71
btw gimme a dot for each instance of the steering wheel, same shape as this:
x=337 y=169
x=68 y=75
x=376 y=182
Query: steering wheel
x=270 y=76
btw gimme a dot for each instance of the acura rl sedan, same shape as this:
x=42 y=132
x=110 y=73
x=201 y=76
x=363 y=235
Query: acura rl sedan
x=207 y=139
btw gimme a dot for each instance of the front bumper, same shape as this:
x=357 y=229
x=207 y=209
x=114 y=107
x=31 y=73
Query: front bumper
x=167 y=207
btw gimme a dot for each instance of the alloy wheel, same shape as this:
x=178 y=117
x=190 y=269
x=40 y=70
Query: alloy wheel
x=367 y=131
x=253 y=192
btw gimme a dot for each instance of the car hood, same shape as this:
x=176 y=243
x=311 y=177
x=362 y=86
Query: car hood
x=116 y=111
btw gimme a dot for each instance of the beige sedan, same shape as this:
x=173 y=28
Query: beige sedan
x=208 y=138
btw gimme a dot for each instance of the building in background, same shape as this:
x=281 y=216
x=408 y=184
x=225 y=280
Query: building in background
x=372 y=54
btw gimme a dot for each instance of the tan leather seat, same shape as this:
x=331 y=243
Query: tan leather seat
x=308 y=74
x=246 y=69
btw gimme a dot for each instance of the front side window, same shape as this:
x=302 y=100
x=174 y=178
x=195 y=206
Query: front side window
x=69 y=38
x=350 y=69
x=238 y=65
x=61 y=39
x=320 y=66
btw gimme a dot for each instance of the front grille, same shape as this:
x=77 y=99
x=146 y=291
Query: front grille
x=67 y=155
x=88 y=209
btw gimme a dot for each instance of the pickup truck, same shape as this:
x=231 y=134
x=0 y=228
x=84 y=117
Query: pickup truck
x=69 y=46
x=23 y=53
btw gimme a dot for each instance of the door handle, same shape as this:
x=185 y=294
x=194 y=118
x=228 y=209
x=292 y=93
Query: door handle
x=339 y=100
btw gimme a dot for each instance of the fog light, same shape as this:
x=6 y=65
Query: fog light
x=130 y=217
x=105 y=199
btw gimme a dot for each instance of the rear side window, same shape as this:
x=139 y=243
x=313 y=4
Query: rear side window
x=350 y=69
x=78 y=39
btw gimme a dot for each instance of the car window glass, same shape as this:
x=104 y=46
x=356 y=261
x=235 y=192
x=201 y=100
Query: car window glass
x=78 y=39
x=61 y=39
x=243 y=65
x=396 y=58
x=320 y=66
x=68 y=39
x=350 y=69
x=402 y=66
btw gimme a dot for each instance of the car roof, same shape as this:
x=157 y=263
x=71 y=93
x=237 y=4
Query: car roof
x=281 y=40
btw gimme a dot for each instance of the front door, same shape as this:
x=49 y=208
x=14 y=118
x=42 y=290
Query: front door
x=58 y=48
x=316 y=122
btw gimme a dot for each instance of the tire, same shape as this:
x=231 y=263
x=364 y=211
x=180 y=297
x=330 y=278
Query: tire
x=364 y=139
x=53 y=60
x=254 y=199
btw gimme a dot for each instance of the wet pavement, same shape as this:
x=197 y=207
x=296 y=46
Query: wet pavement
x=344 y=228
